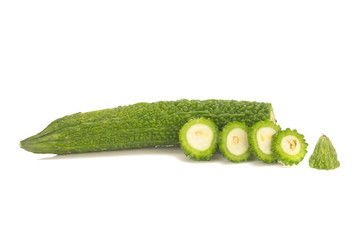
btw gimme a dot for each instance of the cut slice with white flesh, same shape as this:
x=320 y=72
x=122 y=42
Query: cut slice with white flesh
x=198 y=137
x=261 y=137
x=264 y=136
x=237 y=141
x=289 y=146
x=234 y=142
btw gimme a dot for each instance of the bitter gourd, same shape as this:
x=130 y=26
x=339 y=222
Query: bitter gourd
x=260 y=138
x=198 y=137
x=234 y=143
x=324 y=155
x=289 y=147
x=139 y=125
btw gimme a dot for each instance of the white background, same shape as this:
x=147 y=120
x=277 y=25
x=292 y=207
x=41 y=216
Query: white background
x=62 y=57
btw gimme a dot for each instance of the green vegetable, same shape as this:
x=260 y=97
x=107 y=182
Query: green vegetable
x=260 y=137
x=289 y=147
x=324 y=155
x=198 y=137
x=139 y=125
x=234 y=142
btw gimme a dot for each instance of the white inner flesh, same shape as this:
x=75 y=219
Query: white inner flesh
x=200 y=136
x=264 y=137
x=290 y=145
x=237 y=141
x=272 y=117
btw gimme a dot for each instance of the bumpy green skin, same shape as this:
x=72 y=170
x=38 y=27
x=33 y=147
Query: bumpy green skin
x=138 y=125
x=268 y=158
x=324 y=155
x=223 y=142
x=191 y=151
x=281 y=155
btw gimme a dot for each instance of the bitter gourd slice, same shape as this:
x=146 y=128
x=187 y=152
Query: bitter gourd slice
x=139 y=125
x=198 y=137
x=289 y=147
x=324 y=155
x=234 y=143
x=260 y=138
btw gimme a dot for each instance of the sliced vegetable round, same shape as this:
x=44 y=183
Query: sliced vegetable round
x=198 y=137
x=289 y=146
x=234 y=142
x=260 y=138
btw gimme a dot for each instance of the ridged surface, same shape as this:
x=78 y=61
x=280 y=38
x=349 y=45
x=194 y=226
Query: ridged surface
x=324 y=155
x=281 y=155
x=268 y=158
x=223 y=142
x=138 y=125
x=190 y=150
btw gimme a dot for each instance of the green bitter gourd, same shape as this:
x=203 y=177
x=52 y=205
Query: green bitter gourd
x=260 y=138
x=139 y=125
x=289 y=147
x=234 y=143
x=198 y=137
x=324 y=155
